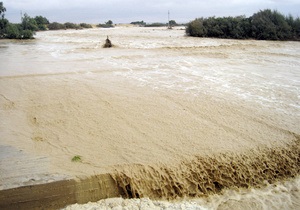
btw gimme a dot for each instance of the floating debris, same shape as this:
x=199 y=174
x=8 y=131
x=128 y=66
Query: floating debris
x=108 y=43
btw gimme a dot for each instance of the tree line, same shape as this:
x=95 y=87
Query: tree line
x=28 y=26
x=144 y=24
x=16 y=31
x=263 y=25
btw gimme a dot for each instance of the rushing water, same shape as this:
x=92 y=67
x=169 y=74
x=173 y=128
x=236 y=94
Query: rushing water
x=265 y=74
x=262 y=71
x=281 y=196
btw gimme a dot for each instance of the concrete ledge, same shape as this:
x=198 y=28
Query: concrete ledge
x=58 y=194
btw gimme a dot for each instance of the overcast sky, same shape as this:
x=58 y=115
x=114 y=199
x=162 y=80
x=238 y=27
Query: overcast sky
x=126 y=11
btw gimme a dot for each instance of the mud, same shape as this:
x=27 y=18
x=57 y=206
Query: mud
x=164 y=116
x=202 y=176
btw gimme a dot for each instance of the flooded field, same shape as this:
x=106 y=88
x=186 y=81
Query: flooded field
x=166 y=115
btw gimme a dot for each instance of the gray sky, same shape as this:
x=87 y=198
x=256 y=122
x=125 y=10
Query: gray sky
x=126 y=11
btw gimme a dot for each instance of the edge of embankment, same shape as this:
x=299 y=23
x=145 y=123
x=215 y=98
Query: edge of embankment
x=58 y=194
x=199 y=176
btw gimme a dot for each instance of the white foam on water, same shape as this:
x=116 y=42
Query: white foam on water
x=264 y=73
x=284 y=195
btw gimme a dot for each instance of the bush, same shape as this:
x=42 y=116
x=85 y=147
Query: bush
x=265 y=25
x=156 y=25
x=41 y=22
x=56 y=26
x=25 y=30
x=104 y=26
x=42 y=27
x=270 y=26
x=196 y=28
x=76 y=158
x=27 y=34
x=12 y=32
x=3 y=27
x=84 y=25
x=29 y=23
x=69 y=25
x=108 y=24
x=139 y=23
x=15 y=31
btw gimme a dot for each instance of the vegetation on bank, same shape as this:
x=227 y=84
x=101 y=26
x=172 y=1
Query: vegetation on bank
x=263 y=25
x=138 y=23
x=108 y=24
x=172 y=23
x=28 y=26
x=23 y=30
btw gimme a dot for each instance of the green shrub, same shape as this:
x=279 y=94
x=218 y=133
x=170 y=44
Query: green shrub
x=69 y=25
x=42 y=27
x=108 y=24
x=270 y=26
x=156 y=25
x=12 y=31
x=27 y=34
x=41 y=22
x=3 y=27
x=56 y=26
x=196 y=28
x=24 y=30
x=29 y=23
x=85 y=25
x=265 y=25
x=140 y=23
x=76 y=158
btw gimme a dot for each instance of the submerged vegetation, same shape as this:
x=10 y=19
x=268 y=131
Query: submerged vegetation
x=263 y=25
x=76 y=158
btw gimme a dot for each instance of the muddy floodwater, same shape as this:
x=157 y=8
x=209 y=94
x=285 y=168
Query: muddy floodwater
x=169 y=117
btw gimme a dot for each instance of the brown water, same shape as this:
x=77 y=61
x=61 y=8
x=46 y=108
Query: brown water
x=167 y=115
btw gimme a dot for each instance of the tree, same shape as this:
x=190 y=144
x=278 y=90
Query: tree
x=109 y=22
x=2 y=10
x=172 y=23
x=69 y=25
x=213 y=27
x=3 y=22
x=12 y=31
x=196 y=28
x=27 y=34
x=264 y=25
x=270 y=25
x=140 y=23
x=41 y=22
x=85 y=25
x=8 y=30
x=56 y=26
x=29 y=23
x=296 y=28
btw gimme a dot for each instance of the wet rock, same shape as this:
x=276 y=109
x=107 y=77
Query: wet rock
x=108 y=43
